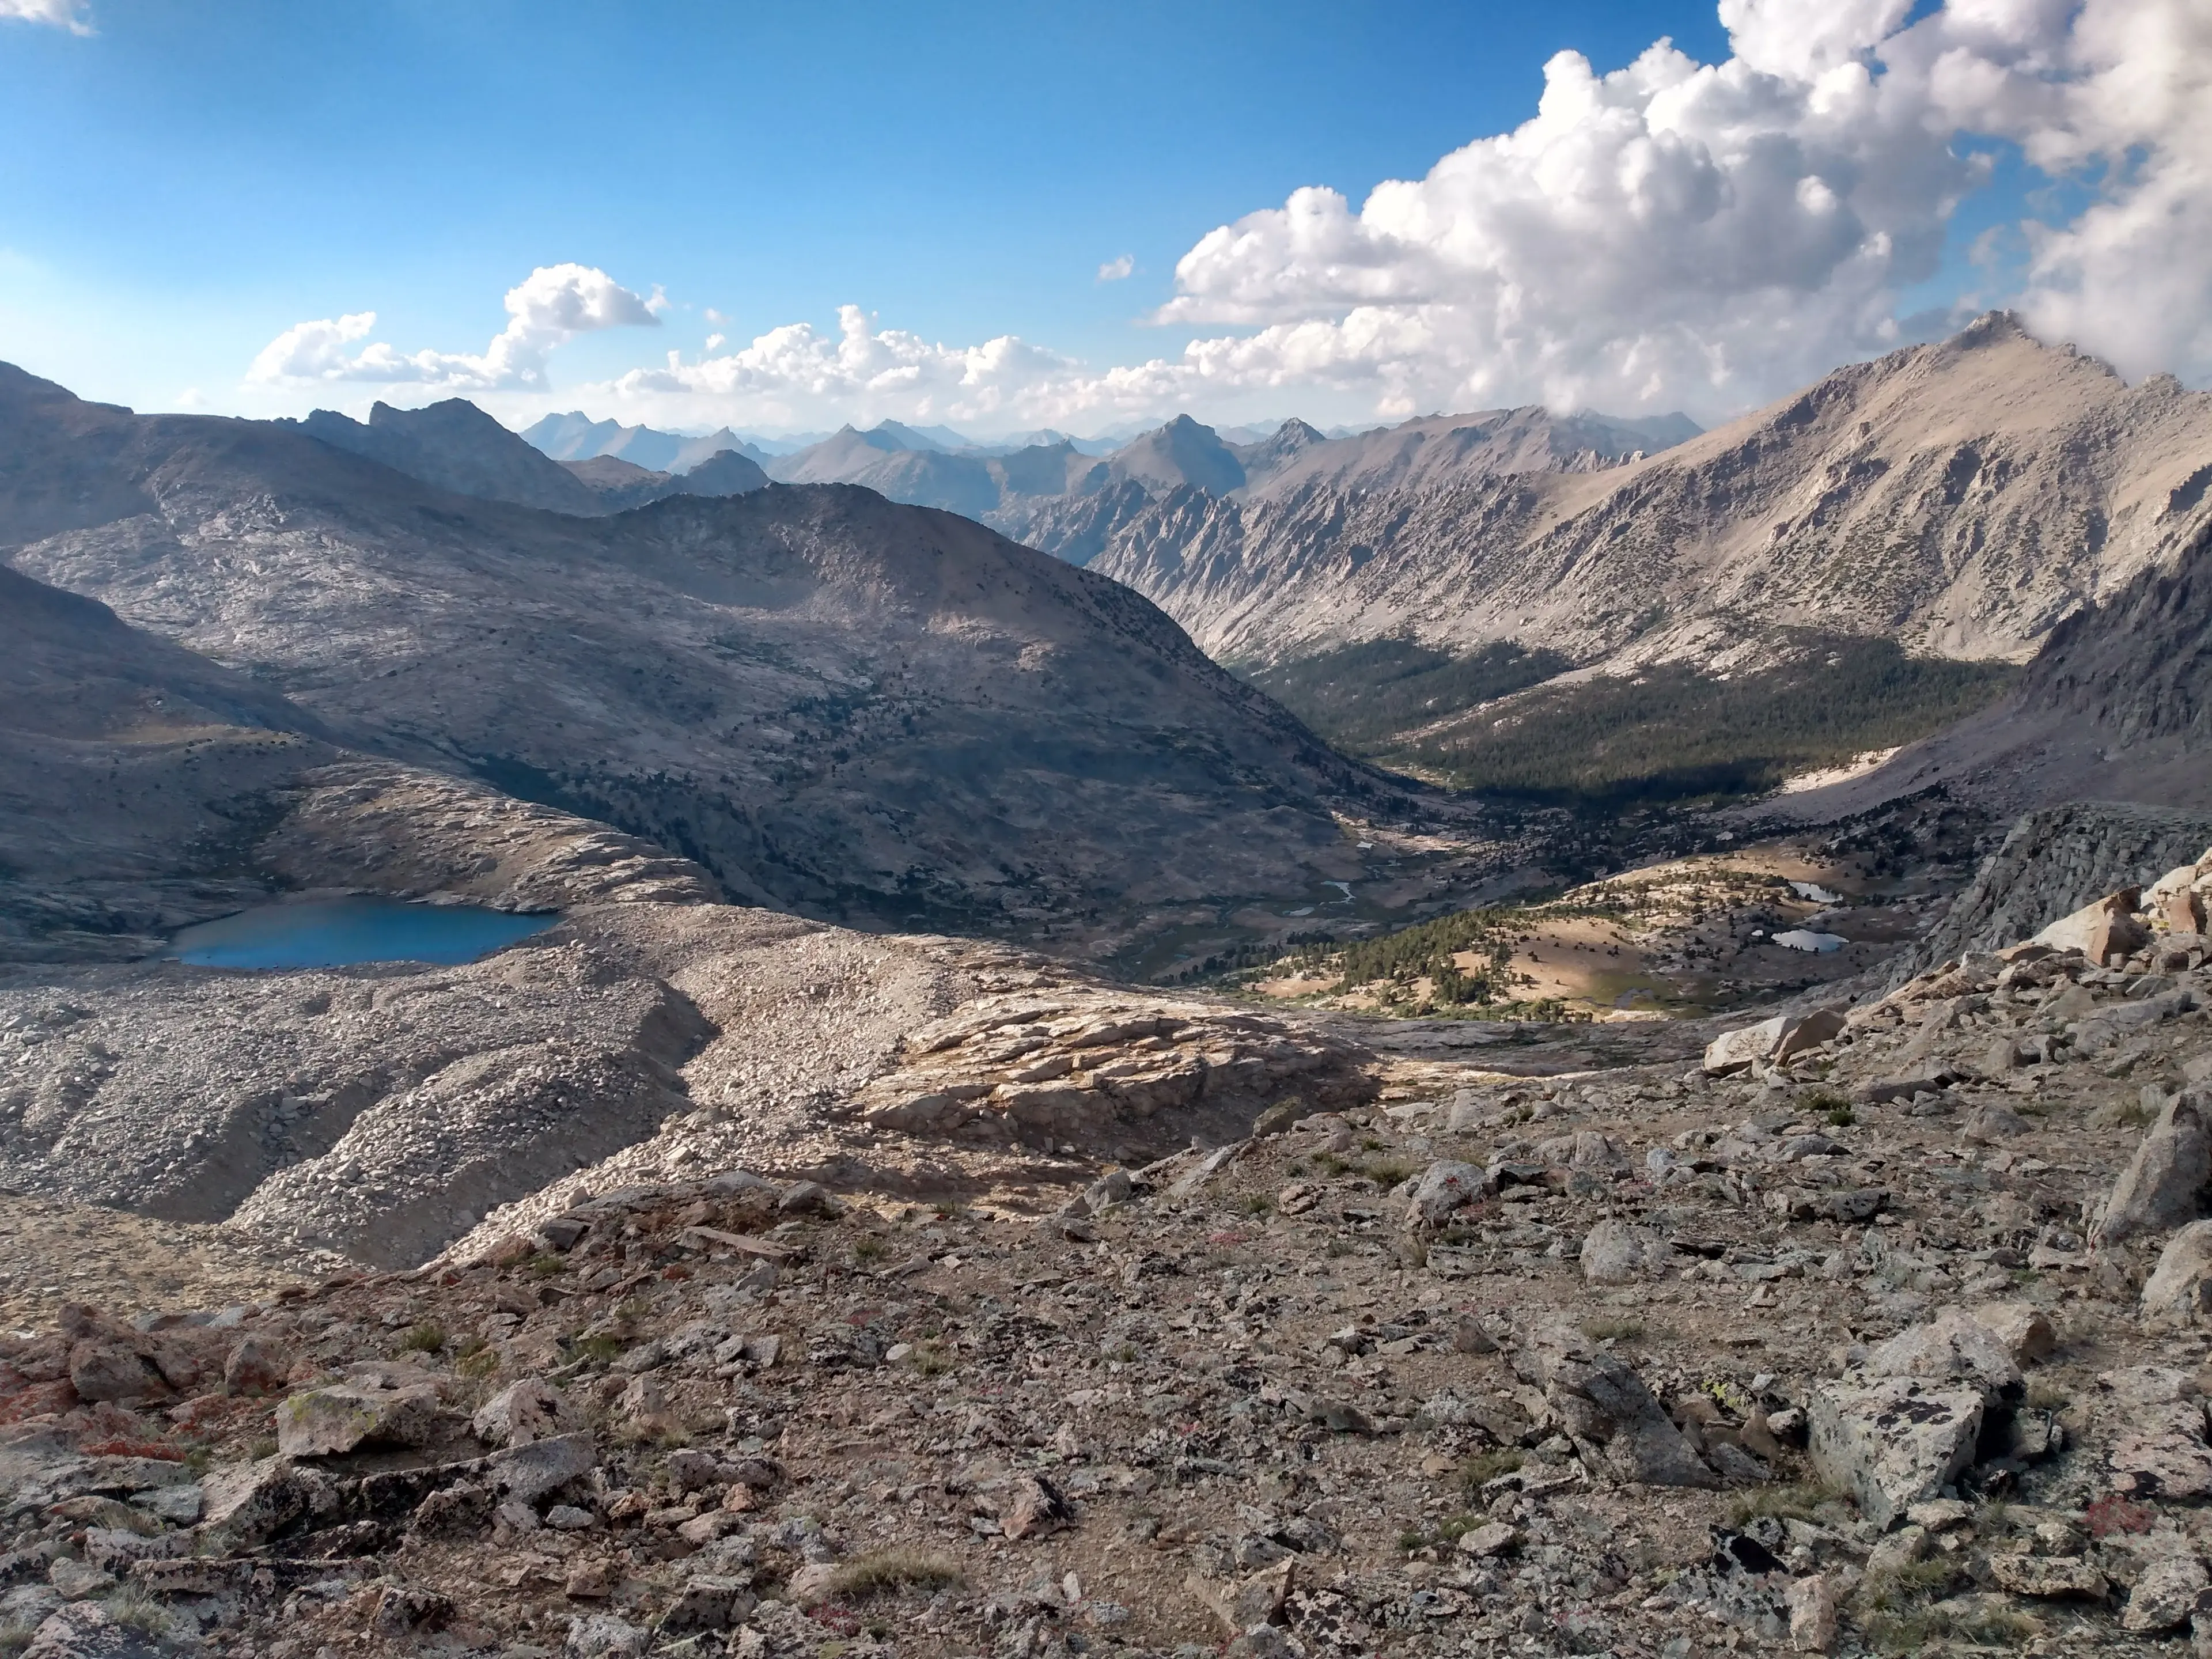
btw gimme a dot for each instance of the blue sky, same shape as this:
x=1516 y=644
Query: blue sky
x=184 y=182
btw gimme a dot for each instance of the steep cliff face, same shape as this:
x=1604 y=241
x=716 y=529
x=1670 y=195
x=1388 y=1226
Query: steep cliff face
x=1962 y=498
x=2055 y=861
x=2139 y=665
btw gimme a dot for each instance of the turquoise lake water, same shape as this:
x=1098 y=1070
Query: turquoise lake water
x=334 y=933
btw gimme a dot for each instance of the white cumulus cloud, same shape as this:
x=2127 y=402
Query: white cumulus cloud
x=1670 y=234
x=554 y=304
x=74 y=15
x=1116 y=269
x=1709 y=234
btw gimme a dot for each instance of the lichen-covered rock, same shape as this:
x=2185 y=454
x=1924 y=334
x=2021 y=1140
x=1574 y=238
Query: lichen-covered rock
x=1895 y=1442
x=2165 y=1596
x=2163 y=1454
x=248 y=1503
x=1953 y=1347
x=522 y=1412
x=2048 y=1577
x=1605 y=1405
x=322 y=1422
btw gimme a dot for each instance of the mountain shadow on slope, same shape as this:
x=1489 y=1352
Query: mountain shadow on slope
x=842 y=707
x=1674 y=733
x=1367 y=698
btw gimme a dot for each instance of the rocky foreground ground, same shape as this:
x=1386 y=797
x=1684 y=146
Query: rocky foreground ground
x=1878 y=1329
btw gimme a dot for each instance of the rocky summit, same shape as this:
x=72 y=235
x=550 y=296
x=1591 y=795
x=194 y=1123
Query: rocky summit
x=1882 y=1326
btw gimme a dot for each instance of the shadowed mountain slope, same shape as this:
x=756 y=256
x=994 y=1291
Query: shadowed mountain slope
x=838 y=705
x=456 y=446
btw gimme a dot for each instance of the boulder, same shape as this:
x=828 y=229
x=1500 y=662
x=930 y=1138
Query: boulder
x=1776 y=1041
x=247 y=1505
x=2024 y=1329
x=2165 y=1596
x=1444 y=1187
x=2179 y=1290
x=2176 y=899
x=1808 y=1032
x=2164 y=1455
x=1736 y=1051
x=2048 y=1576
x=524 y=1474
x=2182 y=911
x=708 y=1601
x=324 y=1422
x=525 y=1411
x=2164 y=1181
x=603 y=1636
x=85 y=1630
x=1815 y=1615
x=1615 y=1253
x=1606 y=1407
x=255 y=1366
x=2100 y=931
x=1492 y=1538
x=1988 y=1124
x=1036 y=1508
x=103 y=1368
x=1953 y=1347
x=1893 y=1442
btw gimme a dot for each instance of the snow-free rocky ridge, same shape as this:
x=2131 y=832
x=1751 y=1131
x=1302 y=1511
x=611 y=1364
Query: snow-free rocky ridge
x=1963 y=498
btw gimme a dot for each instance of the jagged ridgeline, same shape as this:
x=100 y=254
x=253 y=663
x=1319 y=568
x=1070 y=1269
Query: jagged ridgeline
x=1670 y=732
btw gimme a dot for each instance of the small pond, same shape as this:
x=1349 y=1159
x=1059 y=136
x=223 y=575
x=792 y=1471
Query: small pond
x=333 y=932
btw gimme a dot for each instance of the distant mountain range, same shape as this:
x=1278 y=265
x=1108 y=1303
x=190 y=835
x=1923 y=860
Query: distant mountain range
x=576 y=437
x=1520 y=600
x=1849 y=569
x=1071 y=498
x=456 y=446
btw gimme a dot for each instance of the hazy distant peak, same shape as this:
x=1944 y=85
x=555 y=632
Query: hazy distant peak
x=1183 y=452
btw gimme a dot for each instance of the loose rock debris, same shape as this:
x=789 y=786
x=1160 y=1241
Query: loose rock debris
x=1650 y=1361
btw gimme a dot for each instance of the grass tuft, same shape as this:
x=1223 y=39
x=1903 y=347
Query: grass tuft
x=887 y=1573
x=423 y=1339
x=1488 y=1466
x=1798 y=1502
